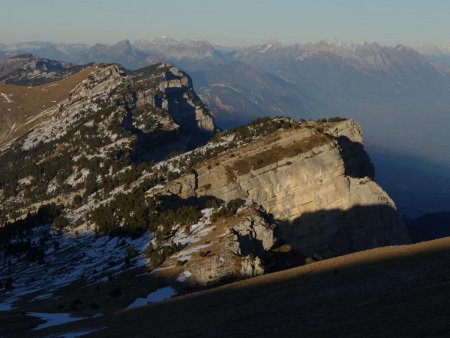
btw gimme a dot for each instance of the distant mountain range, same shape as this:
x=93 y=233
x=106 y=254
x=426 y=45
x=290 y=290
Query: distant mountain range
x=400 y=95
x=439 y=54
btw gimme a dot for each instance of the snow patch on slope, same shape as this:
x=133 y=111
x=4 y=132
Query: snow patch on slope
x=6 y=97
x=55 y=319
x=155 y=296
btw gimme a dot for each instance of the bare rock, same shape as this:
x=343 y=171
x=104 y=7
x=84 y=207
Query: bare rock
x=240 y=252
x=325 y=196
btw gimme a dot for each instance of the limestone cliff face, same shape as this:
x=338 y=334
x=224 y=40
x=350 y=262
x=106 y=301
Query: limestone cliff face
x=324 y=195
x=244 y=241
x=100 y=154
x=174 y=93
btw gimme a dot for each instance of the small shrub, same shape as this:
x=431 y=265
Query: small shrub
x=172 y=154
x=75 y=304
x=131 y=251
x=336 y=119
x=172 y=175
x=77 y=200
x=205 y=253
x=228 y=210
x=60 y=222
x=116 y=292
x=9 y=284
x=149 y=250
x=212 y=203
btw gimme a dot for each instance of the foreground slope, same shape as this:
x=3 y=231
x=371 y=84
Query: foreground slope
x=400 y=291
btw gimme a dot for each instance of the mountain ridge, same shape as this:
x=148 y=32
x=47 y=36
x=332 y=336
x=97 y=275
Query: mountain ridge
x=398 y=101
x=129 y=181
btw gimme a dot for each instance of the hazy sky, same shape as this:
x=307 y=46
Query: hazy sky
x=227 y=22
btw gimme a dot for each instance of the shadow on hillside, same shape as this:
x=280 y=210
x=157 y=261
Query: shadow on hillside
x=181 y=111
x=375 y=294
x=356 y=161
x=336 y=295
x=316 y=235
x=329 y=233
x=156 y=145
x=80 y=274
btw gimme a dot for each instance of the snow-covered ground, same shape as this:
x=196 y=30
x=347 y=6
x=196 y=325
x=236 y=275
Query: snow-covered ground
x=186 y=253
x=70 y=255
x=6 y=306
x=54 y=319
x=196 y=231
x=183 y=276
x=78 y=253
x=155 y=296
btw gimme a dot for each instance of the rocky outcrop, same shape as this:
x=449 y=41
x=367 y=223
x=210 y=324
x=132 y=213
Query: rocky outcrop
x=33 y=71
x=190 y=110
x=174 y=93
x=238 y=253
x=252 y=235
x=308 y=186
x=323 y=195
x=156 y=104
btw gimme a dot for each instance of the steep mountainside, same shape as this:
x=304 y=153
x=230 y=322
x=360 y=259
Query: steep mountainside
x=399 y=97
x=116 y=193
x=237 y=93
x=315 y=175
x=109 y=116
x=30 y=89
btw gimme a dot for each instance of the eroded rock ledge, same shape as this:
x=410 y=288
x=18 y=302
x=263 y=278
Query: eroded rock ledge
x=318 y=186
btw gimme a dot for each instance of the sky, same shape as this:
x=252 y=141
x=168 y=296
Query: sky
x=227 y=22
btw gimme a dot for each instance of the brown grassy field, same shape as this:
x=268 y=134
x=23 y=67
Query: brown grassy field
x=20 y=104
x=277 y=153
x=401 y=291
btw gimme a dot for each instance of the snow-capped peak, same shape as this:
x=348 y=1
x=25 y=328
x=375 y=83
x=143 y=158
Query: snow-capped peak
x=271 y=44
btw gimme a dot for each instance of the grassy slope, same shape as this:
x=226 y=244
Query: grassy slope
x=28 y=102
x=390 y=292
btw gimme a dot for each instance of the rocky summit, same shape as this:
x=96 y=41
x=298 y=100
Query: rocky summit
x=120 y=190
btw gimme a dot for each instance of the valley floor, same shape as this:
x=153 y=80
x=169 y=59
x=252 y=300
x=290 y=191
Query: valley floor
x=400 y=291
